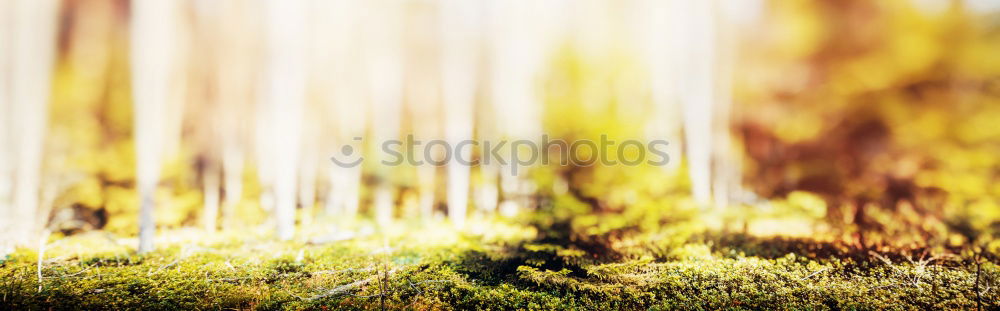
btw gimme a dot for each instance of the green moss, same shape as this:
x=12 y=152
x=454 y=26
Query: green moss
x=661 y=265
x=468 y=272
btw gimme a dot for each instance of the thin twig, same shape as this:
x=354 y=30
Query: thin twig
x=342 y=271
x=165 y=266
x=75 y=273
x=349 y=287
x=814 y=273
x=41 y=255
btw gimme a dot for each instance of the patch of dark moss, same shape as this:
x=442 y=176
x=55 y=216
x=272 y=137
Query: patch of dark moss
x=116 y=261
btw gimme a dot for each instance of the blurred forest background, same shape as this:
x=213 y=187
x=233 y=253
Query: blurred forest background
x=848 y=116
x=853 y=116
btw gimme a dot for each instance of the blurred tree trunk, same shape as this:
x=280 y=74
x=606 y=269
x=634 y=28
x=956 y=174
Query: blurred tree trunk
x=153 y=40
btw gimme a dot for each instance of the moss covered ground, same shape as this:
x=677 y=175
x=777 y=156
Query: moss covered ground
x=493 y=265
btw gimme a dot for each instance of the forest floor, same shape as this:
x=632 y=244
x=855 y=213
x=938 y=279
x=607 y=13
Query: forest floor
x=492 y=265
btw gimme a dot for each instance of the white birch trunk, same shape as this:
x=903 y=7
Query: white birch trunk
x=461 y=27
x=153 y=36
x=699 y=91
x=422 y=44
x=661 y=46
x=211 y=186
x=336 y=86
x=383 y=61
x=238 y=66
x=7 y=234
x=521 y=34
x=28 y=41
x=286 y=90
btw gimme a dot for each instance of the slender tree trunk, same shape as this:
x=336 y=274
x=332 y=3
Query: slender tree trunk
x=426 y=184
x=384 y=74
x=7 y=234
x=487 y=192
x=232 y=170
x=699 y=93
x=307 y=171
x=152 y=40
x=661 y=42
x=726 y=179
x=517 y=52
x=286 y=96
x=237 y=60
x=33 y=53
x=337 y=81
x=422 y=91
x=210 y=208
x=461 y=26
